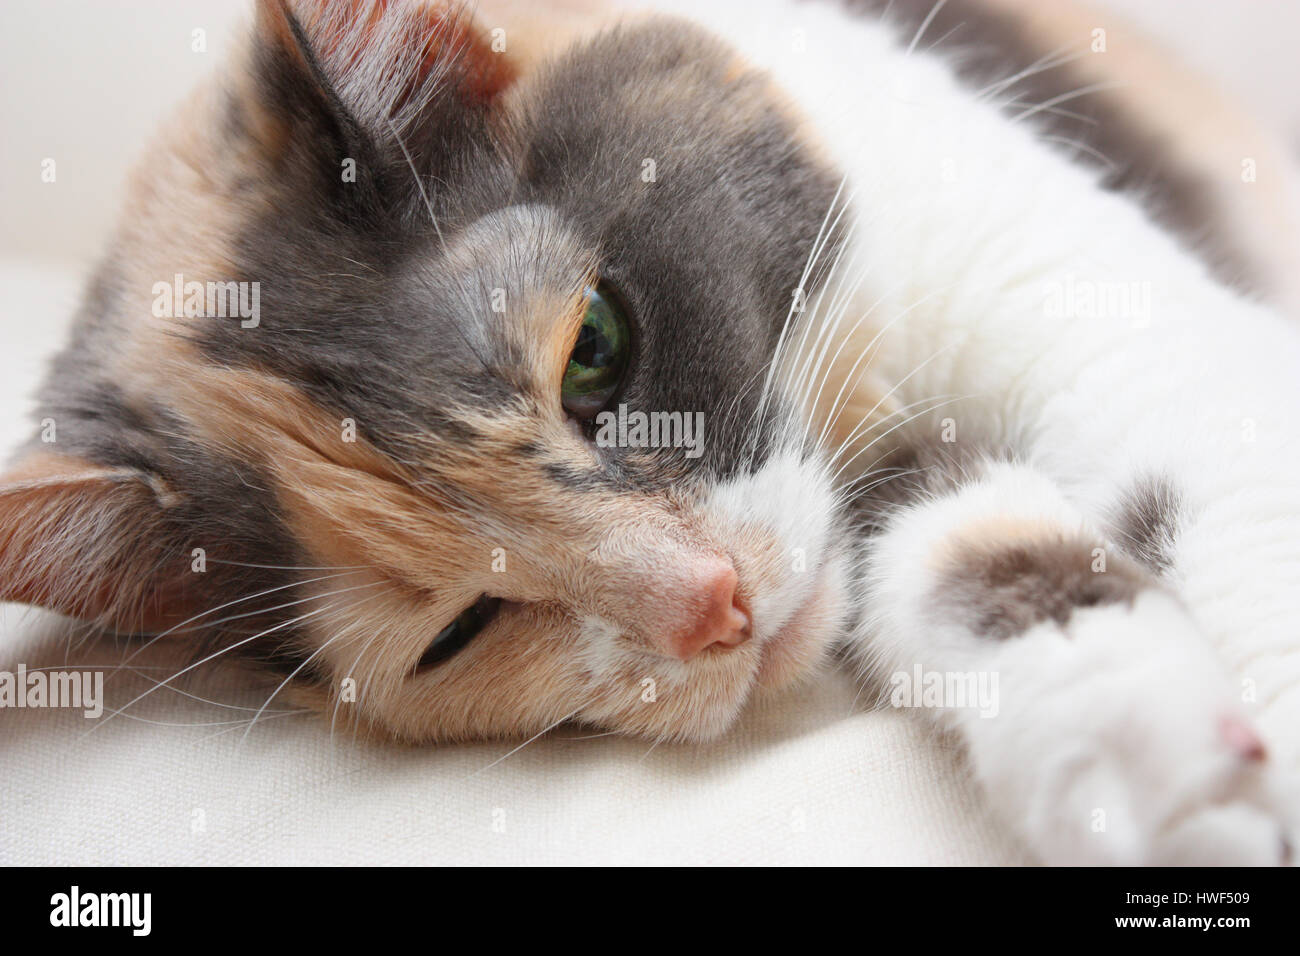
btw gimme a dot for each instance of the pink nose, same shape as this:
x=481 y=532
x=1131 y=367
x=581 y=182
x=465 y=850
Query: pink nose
x=713 y=615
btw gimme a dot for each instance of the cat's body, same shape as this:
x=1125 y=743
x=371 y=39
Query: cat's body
x=1153 y=419
x=1094 y=507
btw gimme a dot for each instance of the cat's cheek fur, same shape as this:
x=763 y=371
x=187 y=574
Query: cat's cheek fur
x=519 y=677
x=547 y=660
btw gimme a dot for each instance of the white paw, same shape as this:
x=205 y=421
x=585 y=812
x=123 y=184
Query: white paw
x=1120 y=741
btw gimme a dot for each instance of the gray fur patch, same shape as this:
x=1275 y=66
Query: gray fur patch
x=1146 y=522
x=1003 y=588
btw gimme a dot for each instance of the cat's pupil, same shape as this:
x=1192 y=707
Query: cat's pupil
x=456 y=635
x=599 y=356
x=592 y=349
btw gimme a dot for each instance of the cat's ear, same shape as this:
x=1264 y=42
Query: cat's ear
x=90 y=542
x=371 y=80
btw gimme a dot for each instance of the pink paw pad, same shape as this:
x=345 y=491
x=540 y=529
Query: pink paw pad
x=1238 y=734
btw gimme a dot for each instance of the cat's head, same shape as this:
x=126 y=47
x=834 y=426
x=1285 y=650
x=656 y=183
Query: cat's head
x=489 y=435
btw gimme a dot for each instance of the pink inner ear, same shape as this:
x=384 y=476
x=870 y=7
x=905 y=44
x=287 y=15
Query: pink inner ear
x=487 y=73
x=435 y=25
x=85 y=540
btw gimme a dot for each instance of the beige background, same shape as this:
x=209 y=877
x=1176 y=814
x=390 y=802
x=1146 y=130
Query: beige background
x=85 y=82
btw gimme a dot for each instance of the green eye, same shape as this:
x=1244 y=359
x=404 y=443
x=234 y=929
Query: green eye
x=456 y=635
x=599 y=356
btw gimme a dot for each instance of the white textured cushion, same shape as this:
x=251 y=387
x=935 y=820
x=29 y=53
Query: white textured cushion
x=805 y=778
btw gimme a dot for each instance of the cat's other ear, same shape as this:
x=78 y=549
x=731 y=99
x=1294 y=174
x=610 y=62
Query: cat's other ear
x=376 y=81
x=90 y=542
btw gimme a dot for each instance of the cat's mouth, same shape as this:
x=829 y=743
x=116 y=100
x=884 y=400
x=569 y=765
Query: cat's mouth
x=796 y=648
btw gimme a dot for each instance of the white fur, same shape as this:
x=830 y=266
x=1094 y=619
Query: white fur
x=1107 y=746
x=967 y=225
x=787 y=500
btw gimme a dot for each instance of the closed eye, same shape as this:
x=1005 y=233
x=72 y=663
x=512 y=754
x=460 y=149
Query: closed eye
x=457 y=635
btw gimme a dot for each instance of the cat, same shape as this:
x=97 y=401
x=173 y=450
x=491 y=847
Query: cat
x=353 y=395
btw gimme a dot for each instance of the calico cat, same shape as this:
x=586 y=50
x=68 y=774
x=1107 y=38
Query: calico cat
x=354 y=394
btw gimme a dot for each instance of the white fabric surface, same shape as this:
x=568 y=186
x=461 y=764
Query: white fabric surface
x=806 y=777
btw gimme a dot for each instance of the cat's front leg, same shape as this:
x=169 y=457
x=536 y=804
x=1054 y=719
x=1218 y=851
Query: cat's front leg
x=1098 y=719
